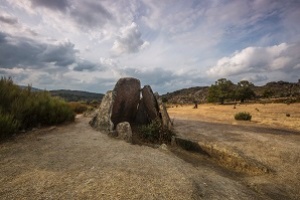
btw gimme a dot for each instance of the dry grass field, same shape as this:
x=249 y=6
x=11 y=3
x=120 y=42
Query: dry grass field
x=273 y=115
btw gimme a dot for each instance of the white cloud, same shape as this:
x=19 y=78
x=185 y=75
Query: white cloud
x=129 y=40
x=257 y=59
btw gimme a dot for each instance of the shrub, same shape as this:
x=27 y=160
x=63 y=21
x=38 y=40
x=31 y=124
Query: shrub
x=243 y=116
x=24 y=109
x=78 y=107
x=155 y=133
x=8 y=125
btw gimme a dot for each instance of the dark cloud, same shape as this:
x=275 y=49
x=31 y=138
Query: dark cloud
x=20 y=51
x=61 y=55
x=86 y=66
x=157 y=76
x=164 y=80
x=90 y=14
x=8 y=20
x=60 y=5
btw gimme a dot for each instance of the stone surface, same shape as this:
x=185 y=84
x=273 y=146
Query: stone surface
x=102 y=119
x=150 y=102
x=126 y=95
x=166 y=121
x=124 y=131
x=163 y=147
x=142 y=115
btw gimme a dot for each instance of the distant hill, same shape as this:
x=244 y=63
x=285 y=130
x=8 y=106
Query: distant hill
x=187 y=95
x=76 y=95
x=32 y=88
x=279 y=89
x=71 y=95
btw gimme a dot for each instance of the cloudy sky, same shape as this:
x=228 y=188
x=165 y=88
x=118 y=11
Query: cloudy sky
x=169 y=44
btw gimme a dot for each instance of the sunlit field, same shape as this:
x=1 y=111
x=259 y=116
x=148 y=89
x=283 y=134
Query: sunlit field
x=273 y=114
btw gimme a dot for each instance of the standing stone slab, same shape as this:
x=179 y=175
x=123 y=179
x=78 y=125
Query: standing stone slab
x=126 y=96
x=101 y=120
x=150 y=102
x=142 y=115
x=166 y=121
x=124 y=131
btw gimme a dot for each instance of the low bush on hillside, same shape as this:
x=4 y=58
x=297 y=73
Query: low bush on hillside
x=78 y=107
x=24 y=109
x=243 y=116
x=155 y=133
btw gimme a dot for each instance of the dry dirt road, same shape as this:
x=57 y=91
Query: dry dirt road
x=76 y=162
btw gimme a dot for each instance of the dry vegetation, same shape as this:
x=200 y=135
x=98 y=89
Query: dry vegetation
x=274 y=114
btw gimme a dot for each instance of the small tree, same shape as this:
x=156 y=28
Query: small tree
x=244 y=91
x=220 y=91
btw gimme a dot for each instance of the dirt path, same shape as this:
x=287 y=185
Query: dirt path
x=269 y=158
x=76 y=162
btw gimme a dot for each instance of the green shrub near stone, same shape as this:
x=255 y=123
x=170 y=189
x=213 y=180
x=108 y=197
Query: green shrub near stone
x=155 y=132
x=243 y=116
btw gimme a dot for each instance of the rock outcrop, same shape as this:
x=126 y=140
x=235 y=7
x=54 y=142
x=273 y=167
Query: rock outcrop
x=128 y=105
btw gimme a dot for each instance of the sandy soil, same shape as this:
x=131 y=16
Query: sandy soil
x=76 y=162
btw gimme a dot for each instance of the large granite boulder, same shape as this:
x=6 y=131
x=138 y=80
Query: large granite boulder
x=150 y=103
x=126 y=95
x=102 y=119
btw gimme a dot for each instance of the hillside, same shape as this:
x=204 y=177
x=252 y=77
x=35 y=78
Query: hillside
x=75 y=95
x=187 y=95
x=279 y=89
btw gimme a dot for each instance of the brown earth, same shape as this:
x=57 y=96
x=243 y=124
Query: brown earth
x=76 y=162
x=273 y=115
x=267 y=153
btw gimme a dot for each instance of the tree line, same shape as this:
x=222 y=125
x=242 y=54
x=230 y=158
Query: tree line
x=224 y=90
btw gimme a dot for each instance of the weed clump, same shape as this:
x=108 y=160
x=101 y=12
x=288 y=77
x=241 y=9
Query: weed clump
x=243 y=116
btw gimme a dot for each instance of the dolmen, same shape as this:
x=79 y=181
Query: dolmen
x=128 y=105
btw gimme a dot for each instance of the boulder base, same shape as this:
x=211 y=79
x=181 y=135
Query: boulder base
x=124 y=131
